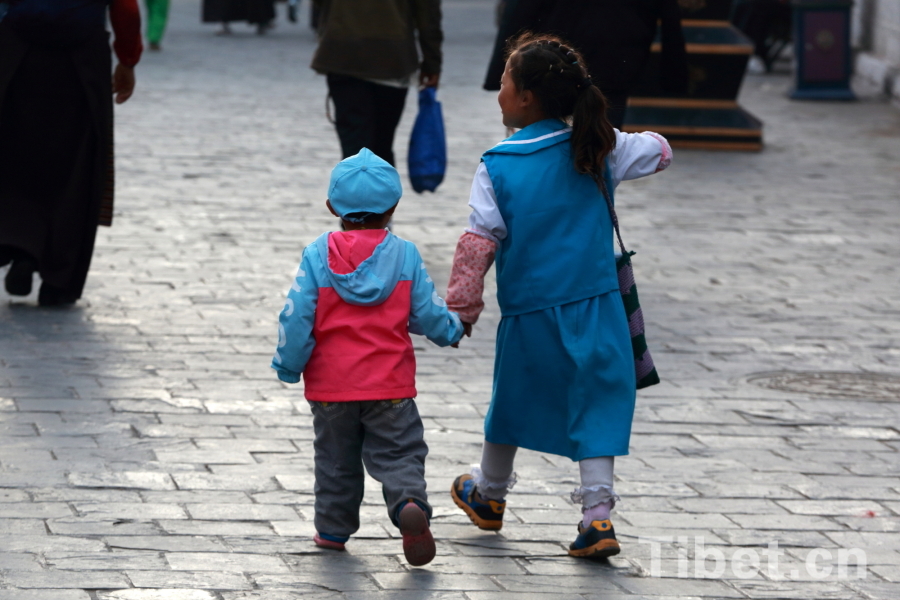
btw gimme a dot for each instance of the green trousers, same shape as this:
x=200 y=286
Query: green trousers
x=157 y=15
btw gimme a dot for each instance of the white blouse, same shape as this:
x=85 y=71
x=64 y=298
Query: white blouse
x=635 y=155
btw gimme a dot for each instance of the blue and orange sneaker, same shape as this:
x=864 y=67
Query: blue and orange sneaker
x=485 y=513
x=418 y=543
x=597 y=541
x=331 y=542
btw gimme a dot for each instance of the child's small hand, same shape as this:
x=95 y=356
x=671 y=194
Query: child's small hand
x=467 y=331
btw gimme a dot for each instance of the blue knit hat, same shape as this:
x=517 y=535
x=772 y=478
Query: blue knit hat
x=364 y=183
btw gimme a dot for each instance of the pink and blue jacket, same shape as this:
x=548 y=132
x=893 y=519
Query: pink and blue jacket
x=346 y=322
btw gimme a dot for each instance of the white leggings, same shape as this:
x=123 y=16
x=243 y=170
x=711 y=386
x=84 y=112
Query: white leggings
x=495 y=476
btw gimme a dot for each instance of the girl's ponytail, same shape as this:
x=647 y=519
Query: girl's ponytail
x=593 y=137
x=557 y=76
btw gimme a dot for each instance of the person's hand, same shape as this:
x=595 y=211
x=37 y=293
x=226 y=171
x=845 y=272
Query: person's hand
x=123 y=83
x=467 y=331
x=429 y=79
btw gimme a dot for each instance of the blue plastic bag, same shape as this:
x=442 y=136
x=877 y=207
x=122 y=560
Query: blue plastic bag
x=427 y=156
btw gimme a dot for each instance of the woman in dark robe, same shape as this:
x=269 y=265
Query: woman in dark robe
x=614 y=36
x=56 y=136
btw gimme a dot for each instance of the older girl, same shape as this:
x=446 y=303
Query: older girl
x=564 y=379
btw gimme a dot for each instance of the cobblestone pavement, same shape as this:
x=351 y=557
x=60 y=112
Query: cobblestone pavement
x=148 y=452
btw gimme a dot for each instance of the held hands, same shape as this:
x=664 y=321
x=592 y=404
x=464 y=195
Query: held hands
x=123 y=83
x=467 y=331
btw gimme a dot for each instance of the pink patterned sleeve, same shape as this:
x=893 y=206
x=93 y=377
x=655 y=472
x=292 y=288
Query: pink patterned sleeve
x=474 y=257
x=666 y=159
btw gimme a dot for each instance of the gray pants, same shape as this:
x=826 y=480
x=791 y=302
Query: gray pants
x=385 y=435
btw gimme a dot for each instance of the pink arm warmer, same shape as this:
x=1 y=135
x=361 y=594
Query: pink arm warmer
x=474 y=256
x=666 y=159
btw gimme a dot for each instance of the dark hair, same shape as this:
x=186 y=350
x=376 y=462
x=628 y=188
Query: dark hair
x=363 y=218
x=558 y=77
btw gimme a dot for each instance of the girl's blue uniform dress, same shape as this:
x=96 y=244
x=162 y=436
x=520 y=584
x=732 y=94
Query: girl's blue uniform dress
x=564 y=380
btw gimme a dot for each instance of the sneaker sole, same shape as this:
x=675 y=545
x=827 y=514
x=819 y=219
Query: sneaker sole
x=473 y=516
x=418 y=543
x=602 y=549
x=322 y=543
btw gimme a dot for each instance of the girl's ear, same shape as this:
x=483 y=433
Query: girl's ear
x=527 y=99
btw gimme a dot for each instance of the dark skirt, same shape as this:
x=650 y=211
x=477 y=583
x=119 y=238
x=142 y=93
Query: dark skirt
x=55 y=153
x=252 y=11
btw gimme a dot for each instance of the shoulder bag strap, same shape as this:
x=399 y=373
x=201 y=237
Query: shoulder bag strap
x=612 y=211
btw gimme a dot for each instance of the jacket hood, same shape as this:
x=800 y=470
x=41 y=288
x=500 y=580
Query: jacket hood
x=362 y=276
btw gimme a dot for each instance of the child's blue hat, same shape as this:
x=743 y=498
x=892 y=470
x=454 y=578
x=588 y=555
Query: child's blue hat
x=364 y=183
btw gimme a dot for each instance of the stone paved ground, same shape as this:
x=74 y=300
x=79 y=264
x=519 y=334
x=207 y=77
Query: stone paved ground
x=147 y=451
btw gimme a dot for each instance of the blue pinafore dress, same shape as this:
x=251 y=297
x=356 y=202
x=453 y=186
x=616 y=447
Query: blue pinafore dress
x=564 y=380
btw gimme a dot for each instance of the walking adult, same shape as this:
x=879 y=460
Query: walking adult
x=157 y=16
x=768 y=24
x=615 y=37
x=367 y=50
x=56 y=136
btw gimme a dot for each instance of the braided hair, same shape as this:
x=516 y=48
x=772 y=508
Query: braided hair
x=558 y=77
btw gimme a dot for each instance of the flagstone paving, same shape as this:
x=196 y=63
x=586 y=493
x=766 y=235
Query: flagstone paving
x=148 y=452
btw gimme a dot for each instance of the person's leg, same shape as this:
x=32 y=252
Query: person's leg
x=354 y=112
x=262 y=14
x=339 y=470
x=753 y=18
x=389 y=103
x=596 y=536
x=394 y=453
x=157 y=15
x=48 y=168
x=596 y=494
x=66 y=260
x=495 y=476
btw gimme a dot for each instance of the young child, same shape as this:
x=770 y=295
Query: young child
x=564 y=378
x=345 y=326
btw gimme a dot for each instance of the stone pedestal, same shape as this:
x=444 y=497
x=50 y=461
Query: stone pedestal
x=708 y=115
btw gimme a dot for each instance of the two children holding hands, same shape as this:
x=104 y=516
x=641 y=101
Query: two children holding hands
x=564 y=380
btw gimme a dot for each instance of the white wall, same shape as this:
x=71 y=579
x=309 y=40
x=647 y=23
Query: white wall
x=876 y=37
x=886 y=30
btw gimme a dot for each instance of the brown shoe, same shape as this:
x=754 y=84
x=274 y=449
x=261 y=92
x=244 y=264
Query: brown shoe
x=418 y=543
